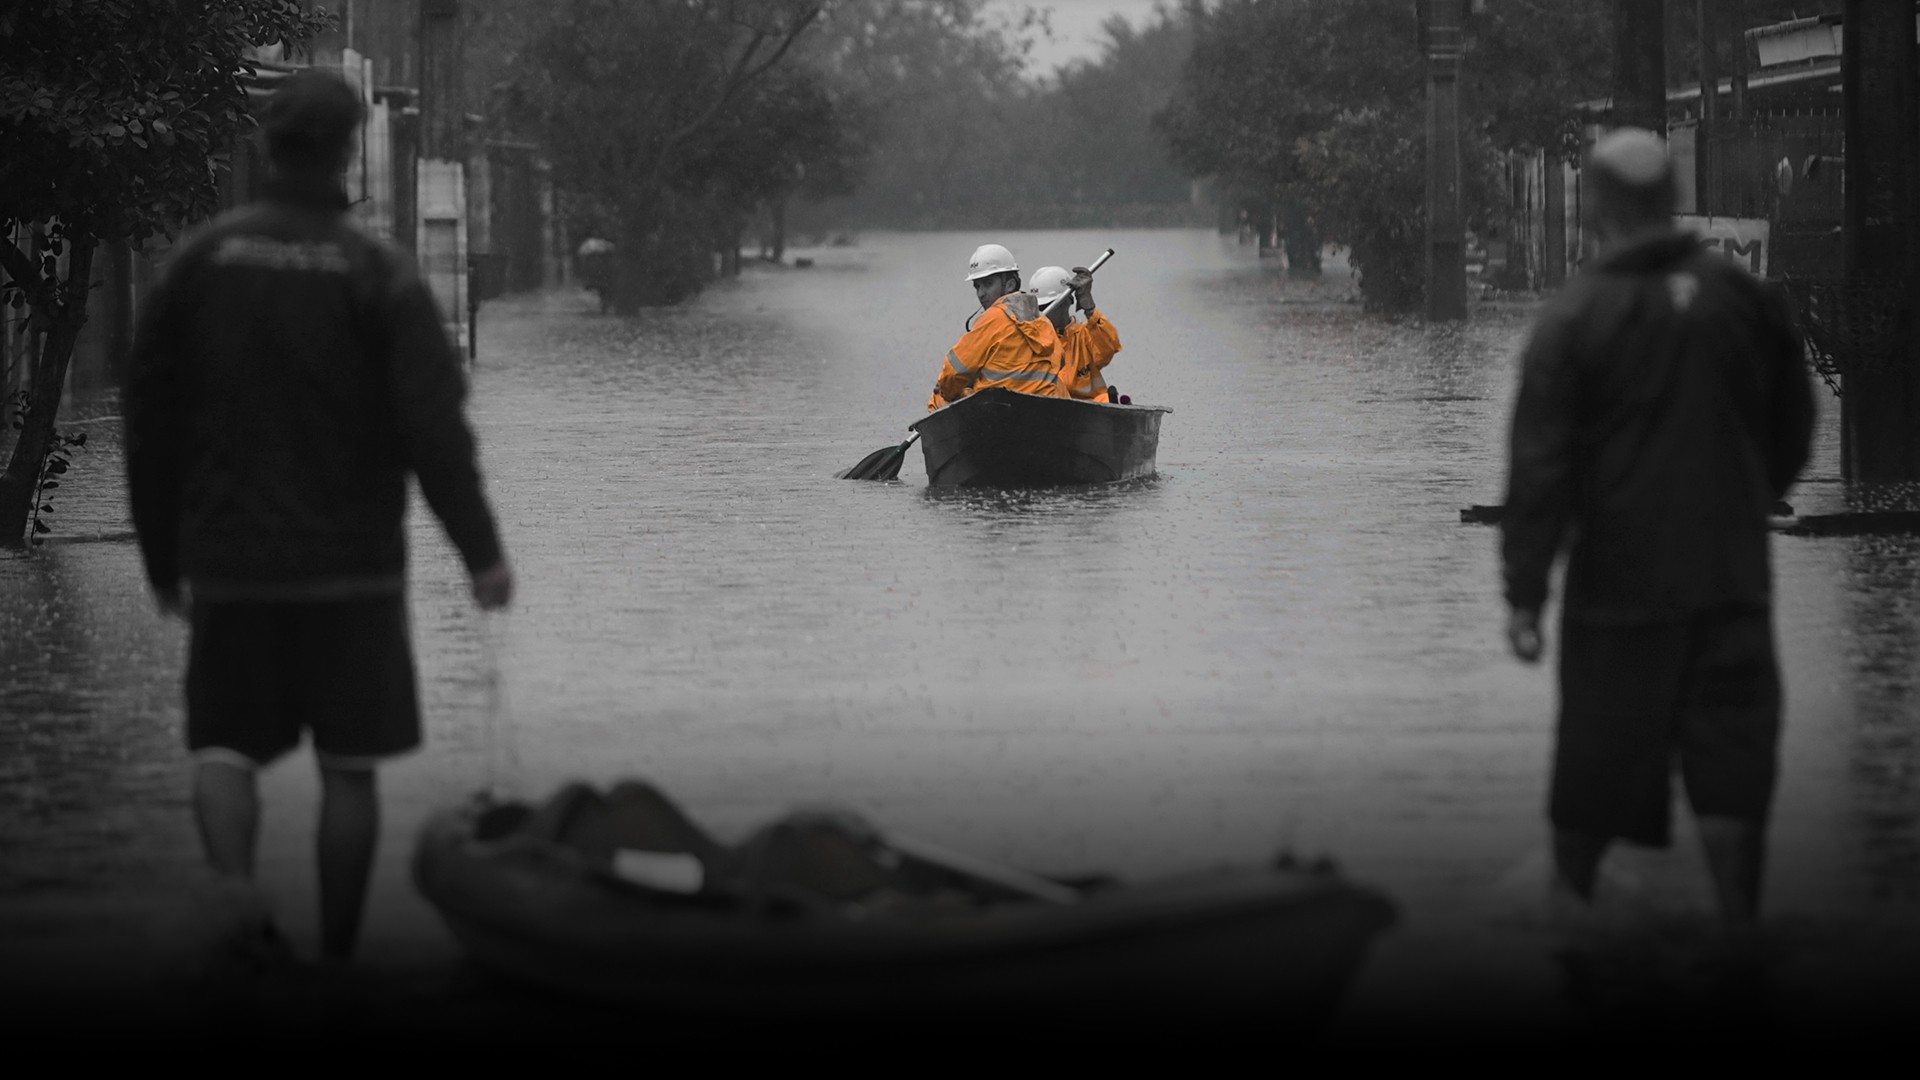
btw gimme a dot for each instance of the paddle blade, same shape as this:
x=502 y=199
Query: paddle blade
x=882 y=464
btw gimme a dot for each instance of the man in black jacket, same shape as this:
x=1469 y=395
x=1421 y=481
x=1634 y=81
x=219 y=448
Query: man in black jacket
x=1663 y=407
x=288 y=373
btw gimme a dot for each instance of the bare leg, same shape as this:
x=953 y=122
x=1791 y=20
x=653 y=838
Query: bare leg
x=349 y=832
x=1576 y=861
x=226 y=805
x=1736 y=859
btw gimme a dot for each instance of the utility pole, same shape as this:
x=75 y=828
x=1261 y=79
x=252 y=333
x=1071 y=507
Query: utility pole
x=1708 y=26
x=442 y=129
x=1640 y=65
x=1880 y=409
x=441 y=245
x=1446 y=229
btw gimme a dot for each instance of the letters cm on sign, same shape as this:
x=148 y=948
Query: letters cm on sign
x=1744 y=240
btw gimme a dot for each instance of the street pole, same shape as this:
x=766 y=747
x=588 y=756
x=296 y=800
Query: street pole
x=441 y=237
x=1708 y=23
x=1880 y=408
x=1446 y=228
x=1640 y=65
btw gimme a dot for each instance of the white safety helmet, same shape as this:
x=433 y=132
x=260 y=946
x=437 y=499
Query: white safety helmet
x=1049 y=282
x=990 y=259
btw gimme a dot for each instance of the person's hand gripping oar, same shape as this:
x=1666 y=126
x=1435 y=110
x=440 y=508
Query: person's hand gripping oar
x=884 y=463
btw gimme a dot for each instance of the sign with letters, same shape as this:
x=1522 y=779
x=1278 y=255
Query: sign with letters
x=1744 y=240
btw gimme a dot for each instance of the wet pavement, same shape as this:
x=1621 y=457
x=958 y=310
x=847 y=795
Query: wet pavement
x=1288 y=640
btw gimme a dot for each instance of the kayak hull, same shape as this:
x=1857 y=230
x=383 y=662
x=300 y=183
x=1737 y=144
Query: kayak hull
x=1002 y=438
x=1279 y=943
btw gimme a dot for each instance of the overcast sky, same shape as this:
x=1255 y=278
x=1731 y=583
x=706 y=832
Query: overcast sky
x=1076 y=26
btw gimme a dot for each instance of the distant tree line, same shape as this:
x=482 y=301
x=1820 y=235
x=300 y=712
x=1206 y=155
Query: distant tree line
x=966 y=135
x=674 y=127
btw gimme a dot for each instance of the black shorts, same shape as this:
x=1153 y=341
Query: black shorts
x=259 y=674
x=1634 y=698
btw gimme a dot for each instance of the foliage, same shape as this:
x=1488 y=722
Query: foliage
x=966 y=134
x=1100 y=117
x=676 y=118
x=1366 y=173
x=118 y=114
x=1293 y=103
x=53 y=464
x=943 y=88
x=116 y=118
x=1367 y=183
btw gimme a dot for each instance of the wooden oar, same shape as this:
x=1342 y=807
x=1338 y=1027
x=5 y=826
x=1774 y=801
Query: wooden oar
x=884 y=463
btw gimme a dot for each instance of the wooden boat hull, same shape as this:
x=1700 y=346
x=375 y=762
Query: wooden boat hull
x=1280 y=944
x=1002 y=438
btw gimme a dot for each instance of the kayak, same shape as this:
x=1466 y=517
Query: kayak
x=814 y=915
x=1002 y=438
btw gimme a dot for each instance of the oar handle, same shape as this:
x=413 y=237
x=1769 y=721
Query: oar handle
x=1097 y=264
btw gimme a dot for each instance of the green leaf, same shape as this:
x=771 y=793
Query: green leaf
x=41 y=526
x=49 y=485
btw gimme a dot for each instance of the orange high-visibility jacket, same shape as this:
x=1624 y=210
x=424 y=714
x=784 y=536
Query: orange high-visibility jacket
x=998 y=351
x=1090 y=346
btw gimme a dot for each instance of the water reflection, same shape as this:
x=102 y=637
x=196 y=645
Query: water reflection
x=1884 y=655
x=87 y=755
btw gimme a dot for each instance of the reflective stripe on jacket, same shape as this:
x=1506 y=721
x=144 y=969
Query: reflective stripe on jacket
x=998 y=351
x=1090 y=346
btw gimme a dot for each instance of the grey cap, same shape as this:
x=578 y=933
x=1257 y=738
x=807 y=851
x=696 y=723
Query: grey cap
x=1633 y=178
x=1636 y=157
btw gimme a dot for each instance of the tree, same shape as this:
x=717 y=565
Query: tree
x=1099 y=115
x=942 y=88
x=1319 y=108
x=641 y=104
x=116 y=119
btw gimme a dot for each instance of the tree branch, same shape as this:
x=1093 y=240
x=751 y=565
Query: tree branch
x=40 y=292
x=739 y=77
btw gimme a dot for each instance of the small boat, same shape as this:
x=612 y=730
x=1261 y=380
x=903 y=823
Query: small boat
x=818 y=913
x=1002 y=438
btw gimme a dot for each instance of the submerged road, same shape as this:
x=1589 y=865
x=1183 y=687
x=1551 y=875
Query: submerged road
x=1287 y=640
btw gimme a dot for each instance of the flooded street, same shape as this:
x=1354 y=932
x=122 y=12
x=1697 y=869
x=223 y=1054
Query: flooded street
x=1287 y=640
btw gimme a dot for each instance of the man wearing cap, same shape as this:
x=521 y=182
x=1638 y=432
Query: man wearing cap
x=288 y=373
x=1007 y=344
x=1088 y=346
x=1663 y=407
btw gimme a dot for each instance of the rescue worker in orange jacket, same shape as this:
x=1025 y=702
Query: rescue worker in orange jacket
x=1007 y=344
x=1088 y=346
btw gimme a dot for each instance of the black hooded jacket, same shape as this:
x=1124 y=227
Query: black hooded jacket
x=1664 y=405
x=288 y=372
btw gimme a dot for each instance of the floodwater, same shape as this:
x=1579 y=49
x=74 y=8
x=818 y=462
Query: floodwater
x=1287 y=640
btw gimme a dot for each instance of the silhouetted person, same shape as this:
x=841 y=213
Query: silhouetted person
x=288 y=374
x=1664 y=406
